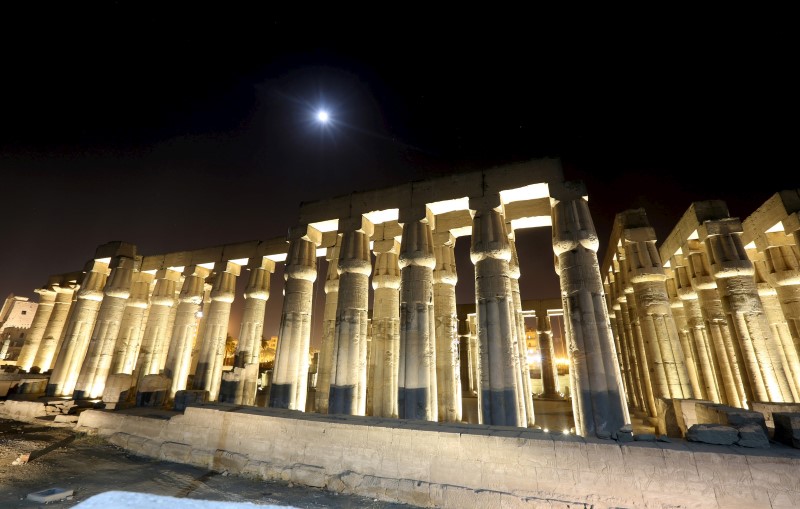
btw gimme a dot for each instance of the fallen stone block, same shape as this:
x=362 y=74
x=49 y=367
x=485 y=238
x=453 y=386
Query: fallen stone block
x=66 y=418
x=712 y=434
x=753 y=435
x=50 y=495
x=188 y=398
x=787 y=428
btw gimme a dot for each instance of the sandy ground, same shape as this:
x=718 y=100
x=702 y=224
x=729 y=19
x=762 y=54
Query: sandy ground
x=61 y=458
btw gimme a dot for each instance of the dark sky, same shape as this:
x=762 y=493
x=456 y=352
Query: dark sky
x=178 y=128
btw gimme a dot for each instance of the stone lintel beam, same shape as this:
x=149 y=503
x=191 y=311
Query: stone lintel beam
x=777 y=209
x=261 y=262
x=687 y=226
x=457 y=222
x=114 y=249
x=305 y=232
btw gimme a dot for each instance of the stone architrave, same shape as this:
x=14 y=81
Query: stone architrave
x=55 y=327
x=325 y=363
x=78 y=330
x=417 y=390
x=131 y=327
x=348 y=390
x=448 y=376
x=498 y=365
x=734 y=274
x=251 y=330
x=518 y=343
x=385 y=327
x=47 y=299
x=97 y=363
x=290 y=375
x=208 y=376
x=184 y=330
x=156 y=333
x=598 y=399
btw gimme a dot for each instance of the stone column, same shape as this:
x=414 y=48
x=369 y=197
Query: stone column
x=290 y=375
x=597 y=398
x=47 y=299
x=500 y=388
x=519 y=346
x=734 y=274
x=184 y=330
x=208 y=376
x=710 y=371
x=386 y=327
x=417 y=390
x=665 y=359
x=156 y=335
x=131 y=326
x=251 y=330
x=55 y=326
x=785 y=267
x=348 y=390
x=688 y=345
x=325 y=364
x=448 y=378
x=627 y=354
x=97 y=363
x=78 y=330
x=782 y=349
x=550 y=388
x=723 y=344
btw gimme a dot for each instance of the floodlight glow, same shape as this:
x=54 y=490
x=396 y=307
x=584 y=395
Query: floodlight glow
x=322 y=116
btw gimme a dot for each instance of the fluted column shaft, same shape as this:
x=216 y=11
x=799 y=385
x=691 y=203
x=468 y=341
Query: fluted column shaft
x=184 y=331
x=688 y=345
x=348 y=389
x=325 y=364
x=734 y=274
x=47 y=299
x=78 y=331
x=499 y=396
x=156 y=335
x=211 y=357
x=96 y=365
x=518 y=344
x=290 y=376
x=250 y=331
x=598 y=400
x=448 y=376
x=417 y=390
x=55 y=328
x=385 y=328
x=550 y=388
x=474 y=355
x=131 y=326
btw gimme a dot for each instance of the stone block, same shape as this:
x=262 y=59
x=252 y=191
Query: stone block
x=767 y=409
x=50 y=495
x=184 y=399
x=787 y=428
x=309 y=475
x=117 y=389
x=753 y=435
x=712 y=434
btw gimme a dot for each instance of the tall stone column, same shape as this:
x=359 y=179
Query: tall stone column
x=417 y=390
x=156 y=333
x=519 y=346
x=97 y=363
x=290 y=375
x=78 y=330
x=710 y=369
x=55 y=327
x=734 y=274
x=598 y=401
x=448 y=377
x=688 y=345
x=386 y=328
x=627 y=351
x=670 y=378
x=782 y=349
x=325 y=364
x=208 y=376
x=550 y=388
x=500 y=386
x=725 y=348
x=129 y=339
x=785 y=266
x=47 y=299
x=348 y=390
x=251 y=330
x=184 y=330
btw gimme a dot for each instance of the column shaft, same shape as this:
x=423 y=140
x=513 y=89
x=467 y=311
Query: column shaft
x=156 y=336
x=326 y=355
x=448 y=377
x=131 y=326
x=184 y=331
x=55 y=327
x=47 y=298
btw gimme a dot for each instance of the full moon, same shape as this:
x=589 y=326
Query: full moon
x=322 y=116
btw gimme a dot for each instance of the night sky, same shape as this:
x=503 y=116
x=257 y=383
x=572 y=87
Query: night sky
x=179 y=128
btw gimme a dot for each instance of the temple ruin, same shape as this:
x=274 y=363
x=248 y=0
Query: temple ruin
x=702 y=329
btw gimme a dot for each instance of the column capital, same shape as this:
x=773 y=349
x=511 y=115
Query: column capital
x=305 y=232
x=357 y=224
x=417 y=213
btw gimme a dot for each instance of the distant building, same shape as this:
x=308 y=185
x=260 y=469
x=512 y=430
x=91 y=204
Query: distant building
x=16 y=317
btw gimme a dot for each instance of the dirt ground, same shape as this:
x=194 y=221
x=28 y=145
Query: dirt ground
x=61 y=458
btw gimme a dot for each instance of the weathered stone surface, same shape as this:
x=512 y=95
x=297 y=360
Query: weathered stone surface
x=752 y=435
x=712 y=434
x=787 y=428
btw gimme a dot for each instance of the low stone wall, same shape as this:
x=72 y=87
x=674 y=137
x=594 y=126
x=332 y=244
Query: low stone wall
x=457 y=465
